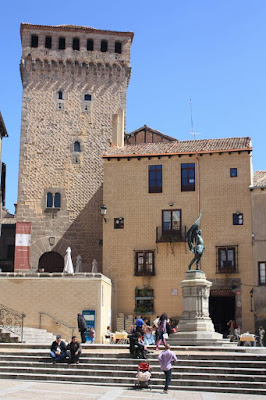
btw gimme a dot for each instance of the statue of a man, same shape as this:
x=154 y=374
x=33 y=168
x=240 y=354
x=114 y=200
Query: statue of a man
x=195 y=243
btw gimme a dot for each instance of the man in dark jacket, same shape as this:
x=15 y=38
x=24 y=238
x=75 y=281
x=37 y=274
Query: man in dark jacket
x=82 y=326
x=73 y=351
x=58 y=350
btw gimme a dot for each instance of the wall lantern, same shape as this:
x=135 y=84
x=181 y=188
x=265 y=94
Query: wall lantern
x=103 y=211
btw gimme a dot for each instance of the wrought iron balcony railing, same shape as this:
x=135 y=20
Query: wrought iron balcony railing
x=171 y=236
x=11 y=320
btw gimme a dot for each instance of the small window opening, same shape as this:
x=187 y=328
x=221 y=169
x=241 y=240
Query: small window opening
x=62 y=43
x=75 y=44
x=49 y=202
x=238 y=219
x=119 y=223
x=90 y=44
x=57 y=200
x=104 y=46
x=77 y=146
x=233 y=172
x=60 y=106
x=87 y=97
x=60 y=95
x=48 y=42
x=34 y=41
x=118 y=47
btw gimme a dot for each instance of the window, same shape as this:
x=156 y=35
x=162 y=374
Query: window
x=53 y=201
x=77 y=146
x=48 y=42
x=237 y=219
x=171 y=221
x=104 y=46
x=119 y=223
x=187 y=177
x=62 y=43
x=57 y=200
x=34 y=41
x=90 y=45
x=49 y=202
x=87 y=97
x=155 y=178
x=144 y=263
x=75 y=44
x=227 y=259
x=144 y=301
x=60 y=95
x=262 y=273
x=118 y=47
x=233 y=172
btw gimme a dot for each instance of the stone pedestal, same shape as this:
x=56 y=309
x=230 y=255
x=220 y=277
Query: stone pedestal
x=195 y=327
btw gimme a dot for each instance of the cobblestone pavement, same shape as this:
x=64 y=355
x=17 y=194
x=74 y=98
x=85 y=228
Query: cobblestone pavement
x=22 y=390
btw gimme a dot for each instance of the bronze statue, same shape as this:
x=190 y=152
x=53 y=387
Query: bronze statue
x=195 y=243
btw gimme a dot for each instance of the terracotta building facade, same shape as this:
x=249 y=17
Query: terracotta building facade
x=75 y=82
x=153 y=193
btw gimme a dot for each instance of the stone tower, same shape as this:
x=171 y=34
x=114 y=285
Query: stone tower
x=75 y=82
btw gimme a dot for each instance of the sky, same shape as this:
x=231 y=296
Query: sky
x=210 y=51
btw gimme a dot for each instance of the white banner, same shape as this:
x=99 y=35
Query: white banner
x=23 y=239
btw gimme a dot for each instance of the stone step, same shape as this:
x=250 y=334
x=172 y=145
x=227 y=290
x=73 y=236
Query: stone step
x=181 y=383
x=133 y=367
x=56 y=369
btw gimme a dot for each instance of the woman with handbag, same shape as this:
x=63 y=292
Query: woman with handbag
x=162 y=335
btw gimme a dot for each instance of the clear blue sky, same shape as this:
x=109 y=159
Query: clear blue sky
x=211 y=51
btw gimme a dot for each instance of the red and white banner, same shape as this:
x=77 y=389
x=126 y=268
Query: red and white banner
x=22 y=246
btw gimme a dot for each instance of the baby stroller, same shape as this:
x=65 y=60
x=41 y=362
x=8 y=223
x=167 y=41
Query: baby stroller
x=143 y=376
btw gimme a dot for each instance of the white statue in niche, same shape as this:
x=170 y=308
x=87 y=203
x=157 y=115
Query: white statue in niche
x=94 y=266
x=78 y=264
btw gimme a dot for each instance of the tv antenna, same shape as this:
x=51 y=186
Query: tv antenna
x=191 y=119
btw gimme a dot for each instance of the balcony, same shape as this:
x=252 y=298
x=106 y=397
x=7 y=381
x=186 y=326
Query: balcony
x=171 y=236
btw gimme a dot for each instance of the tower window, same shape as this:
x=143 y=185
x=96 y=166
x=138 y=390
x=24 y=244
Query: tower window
x=75 y=44
x=233 y=172
x=57 y=200
x=90 y=44
x=60 y=95
x=62 y=43
x=49 y=202
x=118 y=47
x=104 y=46
x=48 y=42
x=87 y=97
x=77 y=146
x=34 y=41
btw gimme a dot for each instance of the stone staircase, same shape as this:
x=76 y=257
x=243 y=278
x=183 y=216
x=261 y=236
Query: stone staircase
x=213 y=369
x=8 y=337
x=37 y=336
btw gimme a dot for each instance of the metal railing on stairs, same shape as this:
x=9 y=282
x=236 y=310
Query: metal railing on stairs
x=57 y=321
x=11 y=320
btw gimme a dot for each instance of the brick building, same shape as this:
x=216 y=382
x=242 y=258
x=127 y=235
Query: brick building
x=153 y=193
x=74 y=101
x=258 y=291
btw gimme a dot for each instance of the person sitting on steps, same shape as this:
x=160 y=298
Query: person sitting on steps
x=58 y=350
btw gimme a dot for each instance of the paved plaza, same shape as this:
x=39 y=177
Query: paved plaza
x=21 y=390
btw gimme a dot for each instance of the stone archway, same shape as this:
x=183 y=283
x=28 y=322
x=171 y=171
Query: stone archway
x=51 y=262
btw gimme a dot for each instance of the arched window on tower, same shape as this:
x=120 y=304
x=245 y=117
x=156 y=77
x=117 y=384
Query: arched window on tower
x=77 y=146
x=60 y=95
x=49 y=201
x=57 y=200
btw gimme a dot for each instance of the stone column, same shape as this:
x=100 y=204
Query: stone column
x=195 y=326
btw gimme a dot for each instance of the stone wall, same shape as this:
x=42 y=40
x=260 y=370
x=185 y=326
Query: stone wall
x=63 y=297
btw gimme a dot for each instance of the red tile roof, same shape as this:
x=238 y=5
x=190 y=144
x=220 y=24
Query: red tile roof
x=259 y=179
x=147 y=128
x=182 y=147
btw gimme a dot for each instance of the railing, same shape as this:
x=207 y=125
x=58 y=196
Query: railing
x=171 y=236
x=57 y=321
x=11 y=320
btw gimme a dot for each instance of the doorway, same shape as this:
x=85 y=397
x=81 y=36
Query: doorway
x=222 y=309
x=51 y=262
